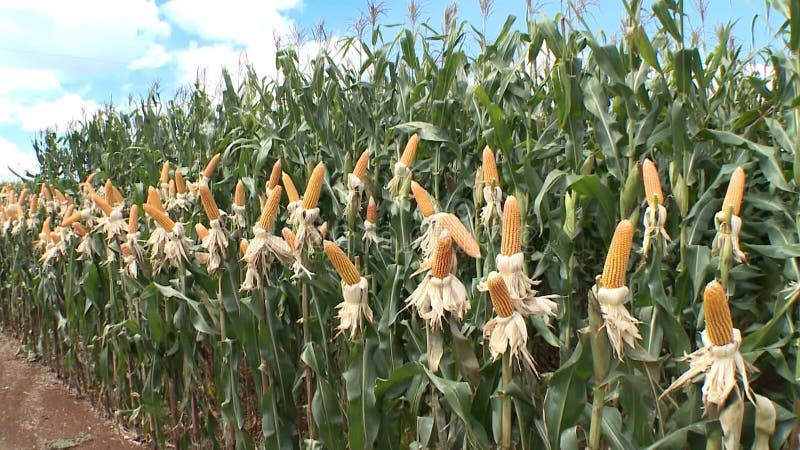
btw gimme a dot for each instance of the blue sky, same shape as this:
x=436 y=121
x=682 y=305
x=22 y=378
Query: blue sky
x=60 y=61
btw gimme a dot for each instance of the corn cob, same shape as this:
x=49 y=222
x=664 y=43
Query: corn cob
x=243 y=245
x=360 y=169
x=58 y=195
x=164 y=173
x=501 y=298
x=209 y=205
x=90 y=179
x=652 y=185
x=270 y=211
x=289 y=237
x=342 y=263
x=71 y=219
x=719 y=325
x=154 y=199
x=46 y=227
x=67 y=213
x=211 y=166
x=133 y=220
x=238 y=195
x=511 y=241
x=180 y=185
x=80 y=229
x=101 y=203
x=125 y=249
x=23 y=196
x=423 y=199
x=171 y=189
x=33 y=206
x=45 y=192
x=161 y=218
x=275 y=175
x=490 y=176
x=202 y=231
x=113 y=196
x=617 y=258
x=460 y=235
x=323 y=229
x=733 y=197
x=372 y=210
x=410 y=152
x=314 y=187
x=291 y=189
x=441 y=260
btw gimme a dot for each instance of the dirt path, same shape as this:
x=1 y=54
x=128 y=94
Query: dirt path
x=36 y=410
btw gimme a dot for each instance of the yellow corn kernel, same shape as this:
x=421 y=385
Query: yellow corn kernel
x=423 y=199
x=460 y=235
x=289 y=237
x=291 y=189
x=652 y=185
x=270 y=211
x=33 y=206
x=209 y=205
x=211 y=166
x=46 y=227
x=719 y=325
x=511 y=240
x=342 y=263
x=238 y=195
x=161 y=218
x=275 y=175
x=80 y=229
x=180 y=185
x=58 y=195
x=23 y=196
x=372 y=210
x=733 y=197
x=323 y=229
x=67 y=213
x=113 y=196
x=314 y=187
x=202 y=231
x=490 y=176
x=243 y=245
x=360 y=169
x=164 y=173
x=101 y=203
x=410 y=152
x=441 y=260
x=154 y=199
x=619 y=251
x=501 y=298
x=133 y=220
x=71 y=219
x=45 y=192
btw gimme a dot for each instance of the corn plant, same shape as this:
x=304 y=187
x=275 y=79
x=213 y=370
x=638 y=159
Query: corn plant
x=438 y=247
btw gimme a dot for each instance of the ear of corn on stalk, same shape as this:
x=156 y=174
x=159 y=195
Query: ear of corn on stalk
x=511 y=240
x=719 y=325
x=314 y=187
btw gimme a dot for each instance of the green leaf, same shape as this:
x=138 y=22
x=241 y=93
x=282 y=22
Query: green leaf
x=565 y=399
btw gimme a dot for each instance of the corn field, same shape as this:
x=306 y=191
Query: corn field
x=544 y=240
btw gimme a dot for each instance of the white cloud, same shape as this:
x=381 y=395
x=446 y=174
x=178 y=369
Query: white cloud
x=43 y=113
x=155 y=57
x=15 y=79
x=14 y=158
x=244 y=22
x=78 y=37
x=206 y=63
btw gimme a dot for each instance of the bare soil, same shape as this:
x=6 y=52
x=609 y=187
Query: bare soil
x=38 y=412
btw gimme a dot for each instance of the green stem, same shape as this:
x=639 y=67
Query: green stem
x=713 y=429
x=505 y=441
x=601 y=359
